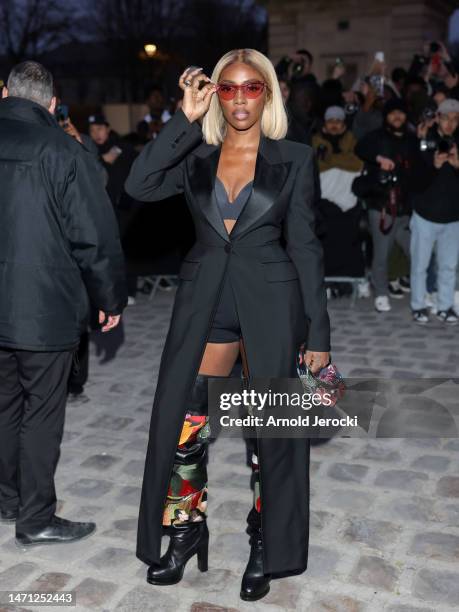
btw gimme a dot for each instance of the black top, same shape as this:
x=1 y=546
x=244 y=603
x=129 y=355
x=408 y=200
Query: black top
x=436 y=192
x=231 y=210
x=404 y=151
x=119 y=170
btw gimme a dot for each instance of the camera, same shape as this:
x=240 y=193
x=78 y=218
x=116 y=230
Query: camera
x=441 y=146
x=387 y=178
x=445 y=145
x=427 y=145
x=351 y=108
x=429 y=113
x=296 y=68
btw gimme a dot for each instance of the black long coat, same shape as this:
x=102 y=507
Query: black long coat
x=281 y=301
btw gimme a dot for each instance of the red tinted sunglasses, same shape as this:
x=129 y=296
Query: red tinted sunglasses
x=227 y=91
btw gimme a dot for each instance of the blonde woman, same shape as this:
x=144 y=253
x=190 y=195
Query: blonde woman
x=251 y=284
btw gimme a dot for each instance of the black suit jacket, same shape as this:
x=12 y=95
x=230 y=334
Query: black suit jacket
x=281 y=206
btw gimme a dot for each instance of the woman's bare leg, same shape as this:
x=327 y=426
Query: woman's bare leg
x=219 y=358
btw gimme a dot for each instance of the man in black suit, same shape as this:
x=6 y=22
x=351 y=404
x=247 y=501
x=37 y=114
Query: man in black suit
x=59 y=245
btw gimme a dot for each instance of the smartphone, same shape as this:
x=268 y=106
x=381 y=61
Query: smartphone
x=62 y=112
x=116 y=150
x=377 y=83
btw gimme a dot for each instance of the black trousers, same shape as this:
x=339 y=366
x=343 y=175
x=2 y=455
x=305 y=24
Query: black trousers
x=340 y=236
x=33 y=392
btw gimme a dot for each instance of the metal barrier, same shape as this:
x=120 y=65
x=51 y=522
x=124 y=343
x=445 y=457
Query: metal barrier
x=154 y=280
x=355 y=281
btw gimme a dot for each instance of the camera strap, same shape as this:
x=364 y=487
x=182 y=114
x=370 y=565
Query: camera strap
x=392 y=205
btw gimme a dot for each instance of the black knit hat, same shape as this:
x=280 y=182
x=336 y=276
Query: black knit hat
x=98 y=119
x=393 y=105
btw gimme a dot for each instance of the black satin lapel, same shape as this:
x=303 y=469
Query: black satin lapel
x=268 y=182
x=202 y=181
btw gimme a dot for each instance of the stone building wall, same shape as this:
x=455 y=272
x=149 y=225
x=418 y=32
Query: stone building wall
x=354 y=29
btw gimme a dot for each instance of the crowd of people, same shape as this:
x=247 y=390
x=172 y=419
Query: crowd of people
x=387 y=153
x=387 y=165
x=387 y=160
x=385 y=171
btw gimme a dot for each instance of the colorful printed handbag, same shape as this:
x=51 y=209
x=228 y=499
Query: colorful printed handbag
x=327 y=381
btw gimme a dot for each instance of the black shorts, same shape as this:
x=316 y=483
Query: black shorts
x=225 y=326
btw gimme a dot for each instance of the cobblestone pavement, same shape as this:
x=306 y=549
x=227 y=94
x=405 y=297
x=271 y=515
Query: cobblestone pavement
x=384 y=513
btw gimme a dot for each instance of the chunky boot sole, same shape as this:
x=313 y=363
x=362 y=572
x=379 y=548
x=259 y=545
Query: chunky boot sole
x=164 y=582
x=202 y=562
x=246 y=597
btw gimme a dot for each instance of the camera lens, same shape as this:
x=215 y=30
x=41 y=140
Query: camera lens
x=444 y=146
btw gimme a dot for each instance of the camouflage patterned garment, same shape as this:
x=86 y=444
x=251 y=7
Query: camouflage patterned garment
x=187 y=494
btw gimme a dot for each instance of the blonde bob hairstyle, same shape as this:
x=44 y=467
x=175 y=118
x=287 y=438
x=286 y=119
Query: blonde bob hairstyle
x=274 y=117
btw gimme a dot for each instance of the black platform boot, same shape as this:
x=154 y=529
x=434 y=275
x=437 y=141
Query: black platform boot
x=255 y=583
x=189 y=538
x=186 y=541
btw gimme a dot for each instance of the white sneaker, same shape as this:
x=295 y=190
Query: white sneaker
x=382 y=303
x=421 y=316
x=395 y=291
x=447 y=316
x=363 y=290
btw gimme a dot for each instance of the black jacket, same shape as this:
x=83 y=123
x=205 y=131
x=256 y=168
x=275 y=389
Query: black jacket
x=119 y=170
x=58 y=234
x=437 y=190
x=404 y=151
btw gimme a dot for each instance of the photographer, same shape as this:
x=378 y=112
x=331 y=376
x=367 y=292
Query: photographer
x=117 y=158
x=303 y=110
x=158 y=114
x=296 y=66
x=435 y=220
x=62 y=117
x=80 y=368
x=390 y=154
x=368 y=116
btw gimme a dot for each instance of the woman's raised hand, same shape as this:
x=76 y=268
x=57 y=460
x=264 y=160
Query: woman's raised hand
x=196 y=100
